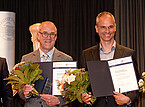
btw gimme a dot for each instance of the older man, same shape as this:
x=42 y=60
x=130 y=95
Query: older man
x=47 y=52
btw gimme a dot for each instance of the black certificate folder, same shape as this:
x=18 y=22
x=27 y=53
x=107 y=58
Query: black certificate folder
x=44 y=86
x=52 y=71
x=100 y=78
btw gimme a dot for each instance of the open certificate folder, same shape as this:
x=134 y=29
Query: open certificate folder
x=123 y=74
x=109 y=76
x=52 y=71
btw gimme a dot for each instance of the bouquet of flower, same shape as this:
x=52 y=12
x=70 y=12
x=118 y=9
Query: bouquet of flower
x=24 y=73
x=142 y=83
x=73 y=84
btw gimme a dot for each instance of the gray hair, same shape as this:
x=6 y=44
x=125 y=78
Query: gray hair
x=104 y=13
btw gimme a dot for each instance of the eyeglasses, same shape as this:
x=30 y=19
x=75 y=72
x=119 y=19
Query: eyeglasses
x=45 y=34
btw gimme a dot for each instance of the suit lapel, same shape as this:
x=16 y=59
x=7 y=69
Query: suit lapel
x=95 y=53
x=56 y=55
x=36 y=56
x=118 y=52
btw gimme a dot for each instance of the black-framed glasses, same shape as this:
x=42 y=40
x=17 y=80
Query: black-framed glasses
x=45 y=34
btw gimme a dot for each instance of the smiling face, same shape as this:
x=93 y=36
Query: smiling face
x=106 y=28
x=47 y=43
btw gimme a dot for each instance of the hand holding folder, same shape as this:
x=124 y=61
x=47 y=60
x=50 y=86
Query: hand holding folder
x=109 y=76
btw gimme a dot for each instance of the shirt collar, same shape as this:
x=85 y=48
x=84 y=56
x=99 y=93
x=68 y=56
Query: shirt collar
x=50 y=53
x=112 y=49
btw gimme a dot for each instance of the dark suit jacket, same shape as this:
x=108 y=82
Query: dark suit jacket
x=92 y=54
x=5 y=90
x=35 y=57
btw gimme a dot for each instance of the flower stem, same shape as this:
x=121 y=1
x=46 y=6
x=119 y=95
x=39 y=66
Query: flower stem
x=34 y=92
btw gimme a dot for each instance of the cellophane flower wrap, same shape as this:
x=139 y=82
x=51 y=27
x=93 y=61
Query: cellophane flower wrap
x=141 y=83
x=74 y=84
x=24 y=73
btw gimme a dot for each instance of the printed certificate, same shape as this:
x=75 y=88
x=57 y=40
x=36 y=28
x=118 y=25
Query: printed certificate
x=58 y=71
x=123 y=74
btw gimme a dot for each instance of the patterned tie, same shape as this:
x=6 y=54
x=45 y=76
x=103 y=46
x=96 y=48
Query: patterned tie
x=45 y=57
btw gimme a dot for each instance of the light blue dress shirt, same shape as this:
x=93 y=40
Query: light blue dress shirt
x=109 y=55
x=48 y=54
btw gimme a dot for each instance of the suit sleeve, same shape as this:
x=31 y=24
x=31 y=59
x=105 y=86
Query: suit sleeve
x=7 y=94
x=23 y=59
x=82 y=60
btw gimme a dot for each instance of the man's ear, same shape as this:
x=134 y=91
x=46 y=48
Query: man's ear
x=96 y=27
x=55 y=37
x=115 y=27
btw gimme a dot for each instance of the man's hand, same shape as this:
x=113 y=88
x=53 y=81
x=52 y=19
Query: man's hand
x=120 y=98
x=50 y=99
x=27 y=90
x=86 y=97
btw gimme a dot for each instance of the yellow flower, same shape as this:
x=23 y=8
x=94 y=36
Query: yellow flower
x=141 y=82
x=143 y=74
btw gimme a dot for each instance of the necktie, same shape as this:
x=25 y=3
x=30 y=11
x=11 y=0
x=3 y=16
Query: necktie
x=45 y=57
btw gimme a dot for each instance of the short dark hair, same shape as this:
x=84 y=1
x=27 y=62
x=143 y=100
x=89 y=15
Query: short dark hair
x=103 y=13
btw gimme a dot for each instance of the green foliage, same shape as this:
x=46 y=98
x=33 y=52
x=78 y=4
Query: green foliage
x=24 y=73
x=76 y=88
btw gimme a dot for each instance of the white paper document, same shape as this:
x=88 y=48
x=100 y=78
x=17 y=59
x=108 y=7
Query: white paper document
x=58 y=71
x=123 y=74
